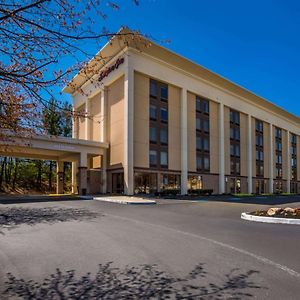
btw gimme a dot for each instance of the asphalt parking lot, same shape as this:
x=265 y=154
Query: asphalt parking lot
x=179 y=249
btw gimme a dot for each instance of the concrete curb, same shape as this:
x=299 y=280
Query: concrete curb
x=248 y=217
x=125 y=201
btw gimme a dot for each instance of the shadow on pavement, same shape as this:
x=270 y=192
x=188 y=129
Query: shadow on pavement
x=15 y=216
x=36 y=199
x=143 y=282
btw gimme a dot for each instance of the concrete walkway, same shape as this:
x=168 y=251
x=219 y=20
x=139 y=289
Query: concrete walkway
x=124 y=200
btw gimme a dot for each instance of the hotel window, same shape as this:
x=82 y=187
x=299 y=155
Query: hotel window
x=164 y=159
x=164 y=92
x=153 y=88
x=235 y=152
x=294 y=157
x=164 y=115
x=202 y=134
x=259 y=146
x=153 y=134
x=278 y=150
x=153 y=112
x=158 y=124
x=164 y=136
x=153 y=157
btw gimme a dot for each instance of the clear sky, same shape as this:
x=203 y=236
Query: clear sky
x=255 y=44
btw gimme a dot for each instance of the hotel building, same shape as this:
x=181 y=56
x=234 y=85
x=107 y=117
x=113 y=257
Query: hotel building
x=172 y=124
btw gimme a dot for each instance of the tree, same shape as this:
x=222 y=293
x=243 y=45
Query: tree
x=35 y=36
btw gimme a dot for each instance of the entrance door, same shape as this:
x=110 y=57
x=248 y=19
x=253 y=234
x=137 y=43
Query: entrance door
x=118 y=183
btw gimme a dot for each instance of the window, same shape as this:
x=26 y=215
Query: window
x=206 y=163
x=163 y=159
x=235 y=150
x=164 y=115
x=199 y=162
x=293 y=139
x=259 y=155
x=198 y=124
x=259 y=140
x=153 y=112
x=278 y=158
x=198 y=104
x=235 y=133
x=199 y=143
x=153 y=157
x=205 y=106
x=293 y=162
x=278 y=146
x=163 y=136
x=153 y=134
x=278 y=172
x=205 y=125
x=260 y=170
x=259 y=126
x=206 y=144
x=278 y=132
x=153 y=88
x=164 y=92
x=202 y=105
x=234 y=117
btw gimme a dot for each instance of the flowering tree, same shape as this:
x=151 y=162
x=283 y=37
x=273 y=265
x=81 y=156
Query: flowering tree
x=35 y=36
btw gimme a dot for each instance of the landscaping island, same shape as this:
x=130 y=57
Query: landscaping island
x=286 y=215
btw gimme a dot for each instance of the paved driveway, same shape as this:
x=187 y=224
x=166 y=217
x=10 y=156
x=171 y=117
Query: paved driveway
x=180 y=249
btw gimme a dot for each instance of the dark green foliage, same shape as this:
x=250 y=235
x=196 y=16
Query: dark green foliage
x=201 y=192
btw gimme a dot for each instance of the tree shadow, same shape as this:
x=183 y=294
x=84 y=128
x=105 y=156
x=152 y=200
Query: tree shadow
x=142 y=282
x=15 y=216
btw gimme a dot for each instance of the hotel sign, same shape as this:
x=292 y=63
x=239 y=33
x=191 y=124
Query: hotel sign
x=110 y=69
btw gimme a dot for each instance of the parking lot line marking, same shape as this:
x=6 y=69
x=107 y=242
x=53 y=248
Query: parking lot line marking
x=239 y=250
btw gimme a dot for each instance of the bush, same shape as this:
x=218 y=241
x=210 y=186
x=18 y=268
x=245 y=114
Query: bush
x=168 y=192
x=201 y=192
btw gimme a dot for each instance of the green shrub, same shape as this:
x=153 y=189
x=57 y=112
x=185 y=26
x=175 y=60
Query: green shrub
x=201 y=192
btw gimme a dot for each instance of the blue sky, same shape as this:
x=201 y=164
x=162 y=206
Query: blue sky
x=255 y=44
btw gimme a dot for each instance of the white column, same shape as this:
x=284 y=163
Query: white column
x=74 y=124
x=249 y=155
x=104 y=174
x=184 y=142
x=221 y=150
x=128 y=127
x=87 y=120
x=103 y=115
x=271 y=165
x=288 y=163
x=74 y=177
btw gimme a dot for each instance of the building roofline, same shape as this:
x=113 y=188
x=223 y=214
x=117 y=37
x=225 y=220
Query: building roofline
x=169 y=56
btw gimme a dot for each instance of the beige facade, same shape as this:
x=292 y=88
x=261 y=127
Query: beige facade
x=152 y=76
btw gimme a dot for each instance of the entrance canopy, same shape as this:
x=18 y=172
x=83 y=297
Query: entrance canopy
x=52 y=148
x=59 y=149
